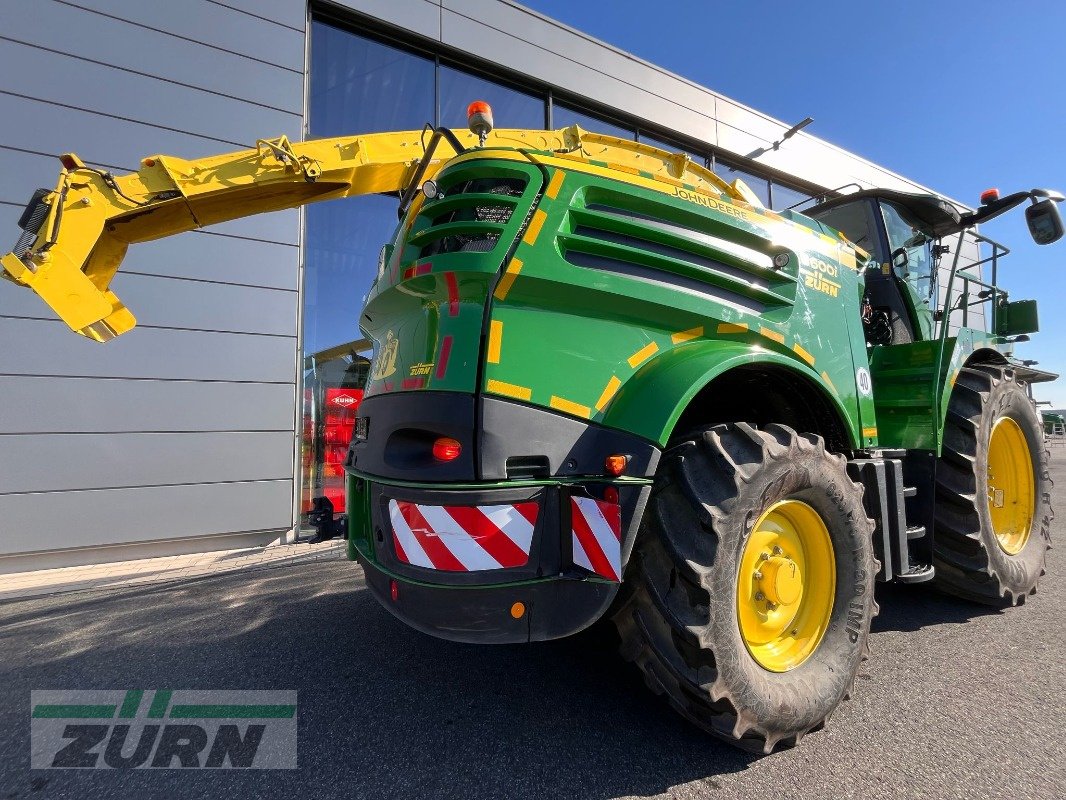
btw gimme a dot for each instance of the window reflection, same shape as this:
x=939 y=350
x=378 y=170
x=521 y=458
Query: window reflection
x=356 y=87
x=564 y=117
x=362 y=86
x=758 y=184
x=671 y=147
x=510 y=107
x=786 y=197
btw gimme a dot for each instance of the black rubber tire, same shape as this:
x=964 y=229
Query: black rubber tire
x=678 y=618
x=968 y=559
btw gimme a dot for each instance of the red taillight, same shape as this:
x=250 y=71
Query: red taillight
x=446 y=449
x=610 y=495
x=394 y=590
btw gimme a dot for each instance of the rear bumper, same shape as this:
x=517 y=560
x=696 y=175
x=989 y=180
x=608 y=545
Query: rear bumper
x=561 y=576
x=550 y=608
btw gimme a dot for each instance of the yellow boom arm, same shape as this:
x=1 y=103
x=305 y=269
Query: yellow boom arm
x=77 y=235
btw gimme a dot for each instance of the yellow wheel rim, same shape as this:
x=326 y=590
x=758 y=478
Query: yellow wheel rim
x=1011 y=488
x=786 y=585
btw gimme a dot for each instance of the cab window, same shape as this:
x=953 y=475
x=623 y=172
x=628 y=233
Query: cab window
x=912 y=240
x=852 y=220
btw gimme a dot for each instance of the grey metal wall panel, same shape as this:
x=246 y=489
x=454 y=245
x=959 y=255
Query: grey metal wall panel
x=119 y=144
x=421 y=17
x=61 y=79
x=34 y=522
x=201 y=407
x=62 y=29
x=290 y=13
x=49 y=348
x=224 y=259
x=64 y=462
x=176 y=303
x=212 y=24
x=105 y=405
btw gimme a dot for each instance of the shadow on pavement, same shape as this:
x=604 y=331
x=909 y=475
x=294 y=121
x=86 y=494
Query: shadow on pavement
x=910 y=608
x=383 y=710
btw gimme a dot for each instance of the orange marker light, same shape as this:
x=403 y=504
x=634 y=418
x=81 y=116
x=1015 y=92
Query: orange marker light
x=446 y=449
x=989 y=196
x=518 y=610
x=616 y=464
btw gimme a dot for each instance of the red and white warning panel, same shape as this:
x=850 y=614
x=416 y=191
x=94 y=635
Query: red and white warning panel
x=463 y=538
x=597 y=536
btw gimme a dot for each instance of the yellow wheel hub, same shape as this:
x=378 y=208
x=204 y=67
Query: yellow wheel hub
x=786 y=585
x=1011 y=488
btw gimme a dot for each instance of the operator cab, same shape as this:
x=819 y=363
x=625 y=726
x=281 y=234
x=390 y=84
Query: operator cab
x=900 y=231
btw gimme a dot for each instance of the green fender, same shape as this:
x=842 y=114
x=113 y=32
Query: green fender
x=651 y=402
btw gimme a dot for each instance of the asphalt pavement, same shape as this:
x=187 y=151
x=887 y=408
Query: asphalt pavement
x=957 y=701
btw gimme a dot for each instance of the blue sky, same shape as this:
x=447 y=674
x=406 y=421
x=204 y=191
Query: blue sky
x=959 y=96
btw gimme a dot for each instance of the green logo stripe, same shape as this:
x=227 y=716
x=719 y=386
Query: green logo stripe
x=233 y=712
x=131 y=703
x=73 y=711
x=160 y=701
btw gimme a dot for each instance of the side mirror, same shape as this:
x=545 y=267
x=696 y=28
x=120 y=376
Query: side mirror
x=899 y=258
x=1044 y=221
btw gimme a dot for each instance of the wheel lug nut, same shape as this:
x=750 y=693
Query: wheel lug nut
x=757 y=575
x=771 y=606
x=760 y=596
x=764 y=556
x=777 y=550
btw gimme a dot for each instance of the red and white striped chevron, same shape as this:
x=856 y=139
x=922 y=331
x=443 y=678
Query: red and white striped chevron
x=463 y=538
x=597 y=536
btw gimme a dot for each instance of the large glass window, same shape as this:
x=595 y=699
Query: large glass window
x=905 y=237
x=671 y=147
x=758 y=184
x=358 y=85
x=564 y=117
x=785 y=197
x=510 y=107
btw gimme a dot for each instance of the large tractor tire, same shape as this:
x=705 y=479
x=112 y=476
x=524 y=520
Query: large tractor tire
x=750 y=592
x=993 y=491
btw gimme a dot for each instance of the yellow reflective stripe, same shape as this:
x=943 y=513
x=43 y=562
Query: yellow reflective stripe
x=535 y=224
x=847 y=257
x=609 y=392
x=769 y=334
x=869 y=432
x=685 y=336
x=509 y=389
x=570 y=407
x=504 y=286
x=825 y=377
x=643 y=354
x=732 y=327
x=555 y=184
x=803 y=354
x=495 y=341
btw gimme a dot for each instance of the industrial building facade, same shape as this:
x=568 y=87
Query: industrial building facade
x=214 y=422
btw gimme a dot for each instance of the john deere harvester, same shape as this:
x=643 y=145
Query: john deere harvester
x=607 y=384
